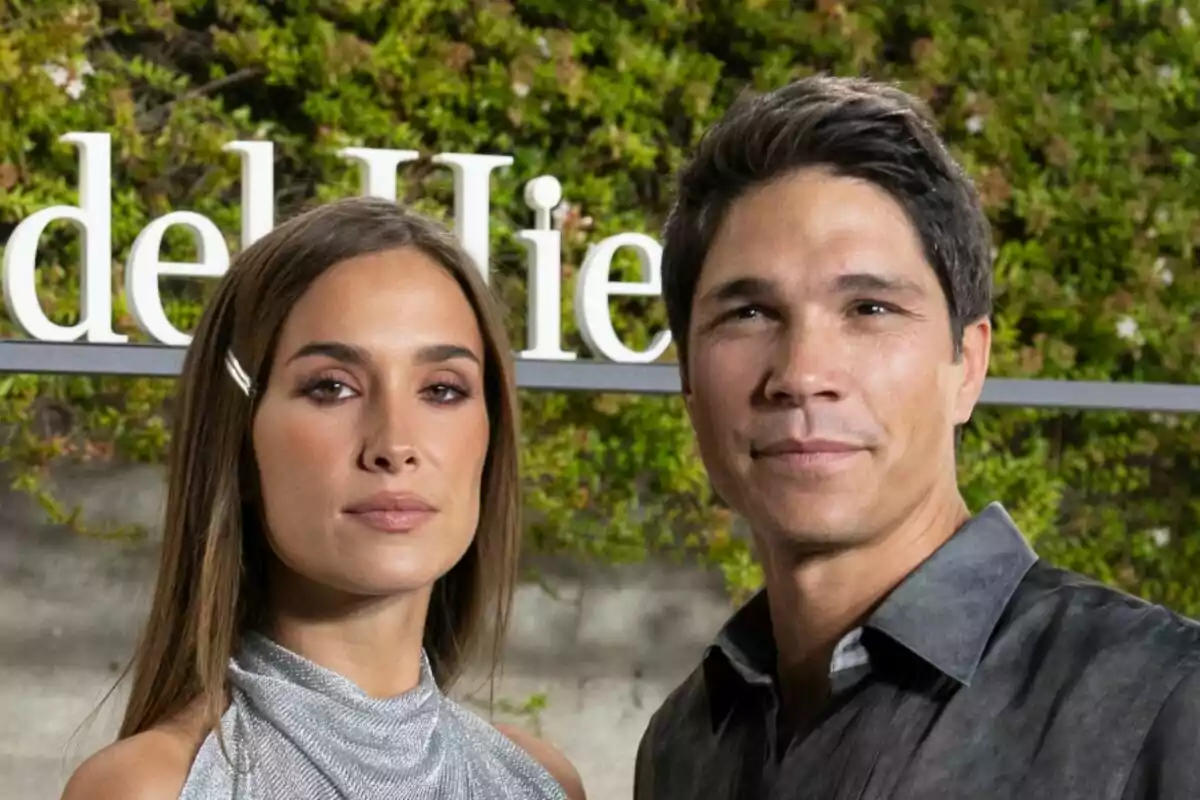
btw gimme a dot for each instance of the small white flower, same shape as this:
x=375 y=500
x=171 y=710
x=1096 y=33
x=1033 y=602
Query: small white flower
x=1185 y=19
x=75 y=87
x=1163 y=272
x=520 y=89
x=1079 y=36
x=69 y=79
x=975 y=123
x=57 y=73
x=1161 y=536
x=1167 y=72
x=543 y=46
x=1127 y=328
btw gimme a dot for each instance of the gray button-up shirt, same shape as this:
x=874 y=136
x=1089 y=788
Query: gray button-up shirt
x=985 y=674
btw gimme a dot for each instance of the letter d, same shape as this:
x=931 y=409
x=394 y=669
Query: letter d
x=93 y=217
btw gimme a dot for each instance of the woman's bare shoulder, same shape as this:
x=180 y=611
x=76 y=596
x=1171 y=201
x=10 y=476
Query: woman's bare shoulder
x=152 y=765
x=550 y=757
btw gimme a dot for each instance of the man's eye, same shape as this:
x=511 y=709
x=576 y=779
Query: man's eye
x=872 y=308
x=746 y=312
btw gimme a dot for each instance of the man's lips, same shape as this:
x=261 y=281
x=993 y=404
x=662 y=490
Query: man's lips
x=798 y=447
x=806 y=455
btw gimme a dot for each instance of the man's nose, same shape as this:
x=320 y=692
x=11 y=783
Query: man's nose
x=807 y=363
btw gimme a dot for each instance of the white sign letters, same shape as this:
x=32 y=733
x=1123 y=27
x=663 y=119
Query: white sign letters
x=472 y=175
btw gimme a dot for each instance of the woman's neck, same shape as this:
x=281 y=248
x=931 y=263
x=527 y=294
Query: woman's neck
x=374 y=642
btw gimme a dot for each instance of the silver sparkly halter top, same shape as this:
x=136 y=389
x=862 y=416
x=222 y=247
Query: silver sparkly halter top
x=298 y=731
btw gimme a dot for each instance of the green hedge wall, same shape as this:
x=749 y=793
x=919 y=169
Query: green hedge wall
x=1081 y=128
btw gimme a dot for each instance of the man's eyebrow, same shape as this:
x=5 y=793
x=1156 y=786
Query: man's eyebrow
x=876 y=282
x=745 y=288
x=739 y=289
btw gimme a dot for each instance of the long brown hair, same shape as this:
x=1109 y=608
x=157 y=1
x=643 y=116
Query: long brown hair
x=212 y=568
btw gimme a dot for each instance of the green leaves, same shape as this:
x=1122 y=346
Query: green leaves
x=1080 y=128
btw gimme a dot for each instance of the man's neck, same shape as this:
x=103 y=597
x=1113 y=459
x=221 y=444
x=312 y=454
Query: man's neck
x=817 y=598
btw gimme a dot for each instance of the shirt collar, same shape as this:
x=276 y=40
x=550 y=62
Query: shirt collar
x=747 y=642
x=944 y=612
x=746 y=650
x=947 y=609
x=743 y=654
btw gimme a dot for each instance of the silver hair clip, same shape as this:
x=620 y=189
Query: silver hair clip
x=238 y=374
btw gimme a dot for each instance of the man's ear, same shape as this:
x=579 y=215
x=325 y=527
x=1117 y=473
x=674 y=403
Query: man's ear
x=685 y=383
x=974 y=359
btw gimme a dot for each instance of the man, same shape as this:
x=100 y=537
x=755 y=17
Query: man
x=828 y=282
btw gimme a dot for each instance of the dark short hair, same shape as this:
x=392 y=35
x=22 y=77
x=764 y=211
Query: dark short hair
x=854 y=128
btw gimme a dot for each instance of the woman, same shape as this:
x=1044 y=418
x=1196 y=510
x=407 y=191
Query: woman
x=342 y=521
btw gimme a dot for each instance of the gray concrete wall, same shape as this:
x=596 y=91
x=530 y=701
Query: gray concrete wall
x=605 y=645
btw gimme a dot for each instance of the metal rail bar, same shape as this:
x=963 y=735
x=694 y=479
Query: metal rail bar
x=150 y=360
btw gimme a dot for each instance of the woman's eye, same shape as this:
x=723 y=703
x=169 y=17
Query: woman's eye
x=328 y=390
x=446 y=393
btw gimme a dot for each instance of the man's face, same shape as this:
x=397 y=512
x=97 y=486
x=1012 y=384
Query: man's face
x=821 y=376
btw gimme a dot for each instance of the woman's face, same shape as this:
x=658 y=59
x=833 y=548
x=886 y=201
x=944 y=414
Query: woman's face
x=372 y=433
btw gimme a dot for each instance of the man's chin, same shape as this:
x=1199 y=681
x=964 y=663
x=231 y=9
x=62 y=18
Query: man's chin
x=818 y=528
